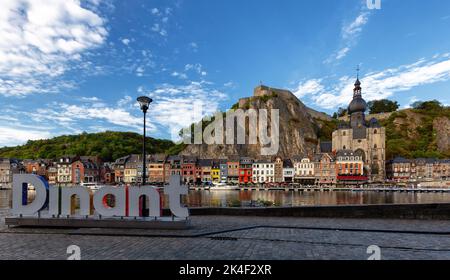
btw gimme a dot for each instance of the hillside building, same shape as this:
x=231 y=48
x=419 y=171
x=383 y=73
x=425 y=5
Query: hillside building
x=367 y=138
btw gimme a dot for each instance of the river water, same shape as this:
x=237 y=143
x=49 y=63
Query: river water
x=224 y=198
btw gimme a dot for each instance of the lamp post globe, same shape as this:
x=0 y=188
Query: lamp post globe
x=144 y=102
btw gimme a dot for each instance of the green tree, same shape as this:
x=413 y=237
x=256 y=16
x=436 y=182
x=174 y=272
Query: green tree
x=433 y=105
x=382 y=106
x=341 y=112
x=108 y=145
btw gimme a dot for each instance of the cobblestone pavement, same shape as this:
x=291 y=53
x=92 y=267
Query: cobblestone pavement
x=239 y=238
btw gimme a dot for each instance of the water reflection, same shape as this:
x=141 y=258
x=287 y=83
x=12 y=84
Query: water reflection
x=282 y=198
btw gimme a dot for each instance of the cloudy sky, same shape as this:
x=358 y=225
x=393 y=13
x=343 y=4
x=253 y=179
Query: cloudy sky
x=68 y=66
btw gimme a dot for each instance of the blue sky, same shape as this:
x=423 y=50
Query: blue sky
x=72 y=66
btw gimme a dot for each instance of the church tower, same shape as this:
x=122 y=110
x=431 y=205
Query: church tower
x=360 y=136
x=356 y=110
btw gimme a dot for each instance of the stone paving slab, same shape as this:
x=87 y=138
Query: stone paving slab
x=235 y=238
x=210 y=224
x=40 y=247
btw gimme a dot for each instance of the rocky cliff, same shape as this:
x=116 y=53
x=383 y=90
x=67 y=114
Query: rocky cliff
x=442 y=127
x=414 y=133
x=298 y=129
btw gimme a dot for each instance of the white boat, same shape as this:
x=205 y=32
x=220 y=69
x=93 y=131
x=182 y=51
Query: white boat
x=92 y=186
x=222 y=186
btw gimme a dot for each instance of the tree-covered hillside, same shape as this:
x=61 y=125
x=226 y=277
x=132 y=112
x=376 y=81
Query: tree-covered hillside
x=418 y=132
x=421 y=131
x=108 y=145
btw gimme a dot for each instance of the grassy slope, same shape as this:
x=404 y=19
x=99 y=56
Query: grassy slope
x=108 y=145
x=409 y=133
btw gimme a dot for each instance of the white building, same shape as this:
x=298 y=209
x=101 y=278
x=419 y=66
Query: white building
x=64 y=167
x=263 y=172
x=304 y=168
x=8 y=167
x=288 y=171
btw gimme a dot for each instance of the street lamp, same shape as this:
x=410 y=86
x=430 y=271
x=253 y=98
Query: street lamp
x=144 y=102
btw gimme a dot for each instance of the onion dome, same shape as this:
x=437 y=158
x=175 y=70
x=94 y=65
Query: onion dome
x=358 y=104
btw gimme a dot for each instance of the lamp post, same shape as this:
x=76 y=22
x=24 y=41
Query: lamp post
x=144 y=102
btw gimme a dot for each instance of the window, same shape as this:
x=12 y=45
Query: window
x=375 y=131
x=344 y=133
x=375 y=146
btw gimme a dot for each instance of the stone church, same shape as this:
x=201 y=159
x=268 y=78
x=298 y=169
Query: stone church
x=367 y=138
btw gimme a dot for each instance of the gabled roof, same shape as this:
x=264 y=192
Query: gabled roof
x=298 y=158
x=174 y=158
x=400 y=160
x=157 y=158
x=205 y=162
x=373 y=123
x=287 y=163
x=245 y=160
x=121 y=160
x=326 y=146
x=261 y=161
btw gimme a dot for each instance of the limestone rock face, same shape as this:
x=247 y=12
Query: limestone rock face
x=297 y=128
x=442 y=127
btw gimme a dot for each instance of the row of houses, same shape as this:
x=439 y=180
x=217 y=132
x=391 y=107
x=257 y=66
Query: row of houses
x=64 y=171
x=69 y=170
x=323 y=169
x=344 y=167
x=421 y=169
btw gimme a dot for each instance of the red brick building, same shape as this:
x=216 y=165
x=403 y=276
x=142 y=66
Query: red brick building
x=85 y=171
x=188 y=169
x=245 y=171
x=107 y=174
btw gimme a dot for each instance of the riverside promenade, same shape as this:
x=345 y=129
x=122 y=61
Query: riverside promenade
x=239 y=238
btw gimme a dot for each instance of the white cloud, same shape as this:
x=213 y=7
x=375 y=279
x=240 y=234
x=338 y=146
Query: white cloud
x=349 y=36
x=313 y=86
x=355 y=27
x=229 y=84
x=40 y=38
x=379 y=85
x=195 y=67
x=193 y=46
x=174 y=104
x=182 y=76
x=159 y=29
x=71 y=113
x=61 y=118
x=90 y=99
x=163 y=32
x=342 y=53
x=140 y=71
x=155 y=11
x=126 y=41
x=126 y=101
x=11 y=136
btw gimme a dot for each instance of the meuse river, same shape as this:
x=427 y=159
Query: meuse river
x=224 y=198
